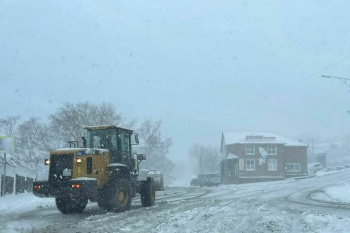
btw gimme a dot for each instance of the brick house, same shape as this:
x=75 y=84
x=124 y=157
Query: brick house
x=260 y=156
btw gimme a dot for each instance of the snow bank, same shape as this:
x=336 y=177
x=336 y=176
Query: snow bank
x=23 y=202
x=339 y=193
x=325 y=173
x=333 y=193
x=324 y=223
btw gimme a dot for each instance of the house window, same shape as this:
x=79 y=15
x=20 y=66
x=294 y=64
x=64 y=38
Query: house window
x=293 y=167
x=272 y=149
x=250 y=149
x=250 y=164
x=272 y=164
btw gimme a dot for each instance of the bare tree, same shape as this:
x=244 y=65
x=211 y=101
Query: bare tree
x=207 y=158
x=8 y=125
x=155 y=146
x=31 y=138
x=34 y=140
x=68 y=122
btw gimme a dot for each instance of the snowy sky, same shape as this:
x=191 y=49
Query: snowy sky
x=203 y=67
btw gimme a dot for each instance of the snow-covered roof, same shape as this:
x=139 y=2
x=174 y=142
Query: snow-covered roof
x=151 y=172
x=83 y=151
x=69 y=149
x=101 y=127
x=258 y=137
x=84 y=178
x=116 y=165
x=232 y=156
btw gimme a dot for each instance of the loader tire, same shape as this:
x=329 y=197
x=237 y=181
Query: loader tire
x=148 y=193
x=70 y=205
x=101 y=200
x=118 y=196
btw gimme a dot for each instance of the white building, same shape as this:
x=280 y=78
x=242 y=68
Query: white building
x=18 y=177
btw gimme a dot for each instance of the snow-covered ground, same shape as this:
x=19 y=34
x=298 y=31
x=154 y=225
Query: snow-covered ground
x=23 y=202
x=316 y=204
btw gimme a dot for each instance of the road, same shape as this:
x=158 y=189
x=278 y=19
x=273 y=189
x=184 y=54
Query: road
x=281 y=206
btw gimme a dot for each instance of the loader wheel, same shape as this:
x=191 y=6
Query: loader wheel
x=148 y=193
x=101 y=200
x=119 y=196
x=69 y=205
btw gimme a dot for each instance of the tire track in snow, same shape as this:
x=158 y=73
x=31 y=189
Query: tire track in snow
x=100 y=218
x=303 y=198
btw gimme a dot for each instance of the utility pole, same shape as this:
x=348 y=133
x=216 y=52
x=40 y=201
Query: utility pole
x=343 y=80
x=7 y=145
x=4 y=180
x=313 y=150
x=201 y=163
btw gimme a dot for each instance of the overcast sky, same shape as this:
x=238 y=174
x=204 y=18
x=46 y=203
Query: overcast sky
x=202 y=66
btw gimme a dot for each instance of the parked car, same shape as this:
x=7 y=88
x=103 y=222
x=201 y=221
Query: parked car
x=158 y=179
x=314 y=167
x=208 y=179
x=194 y=182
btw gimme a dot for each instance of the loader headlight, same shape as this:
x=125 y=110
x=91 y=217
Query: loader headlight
x=47 y=162
x=78 y=160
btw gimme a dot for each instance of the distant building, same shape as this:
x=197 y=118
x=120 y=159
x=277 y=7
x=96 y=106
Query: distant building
x=19 y=178
x=321 y=158
x=260 y=156
x=338 y=155
x=331 y=154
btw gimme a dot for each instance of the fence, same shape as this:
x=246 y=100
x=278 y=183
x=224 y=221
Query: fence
x=18 y=184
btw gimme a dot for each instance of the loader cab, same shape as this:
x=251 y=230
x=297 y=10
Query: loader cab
x=117 y=140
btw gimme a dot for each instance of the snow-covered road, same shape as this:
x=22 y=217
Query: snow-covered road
x=282 y=206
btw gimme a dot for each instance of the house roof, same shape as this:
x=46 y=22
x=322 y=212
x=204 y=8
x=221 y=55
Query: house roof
x=258 y=137
x=232 y=156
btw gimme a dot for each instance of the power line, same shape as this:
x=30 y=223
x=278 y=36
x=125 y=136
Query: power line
x=318 y=71
x=343 y=80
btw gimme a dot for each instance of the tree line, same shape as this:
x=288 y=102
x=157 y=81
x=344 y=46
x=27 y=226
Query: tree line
x=206 y=158
x=36 y=138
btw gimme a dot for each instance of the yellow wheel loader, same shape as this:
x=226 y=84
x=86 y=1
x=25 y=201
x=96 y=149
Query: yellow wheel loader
x=103 y=170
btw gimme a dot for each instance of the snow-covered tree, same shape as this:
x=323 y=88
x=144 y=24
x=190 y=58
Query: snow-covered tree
x=69 y=121
x=155 y=146
x=35 y=139
x=8 y=125
x=32 y=140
